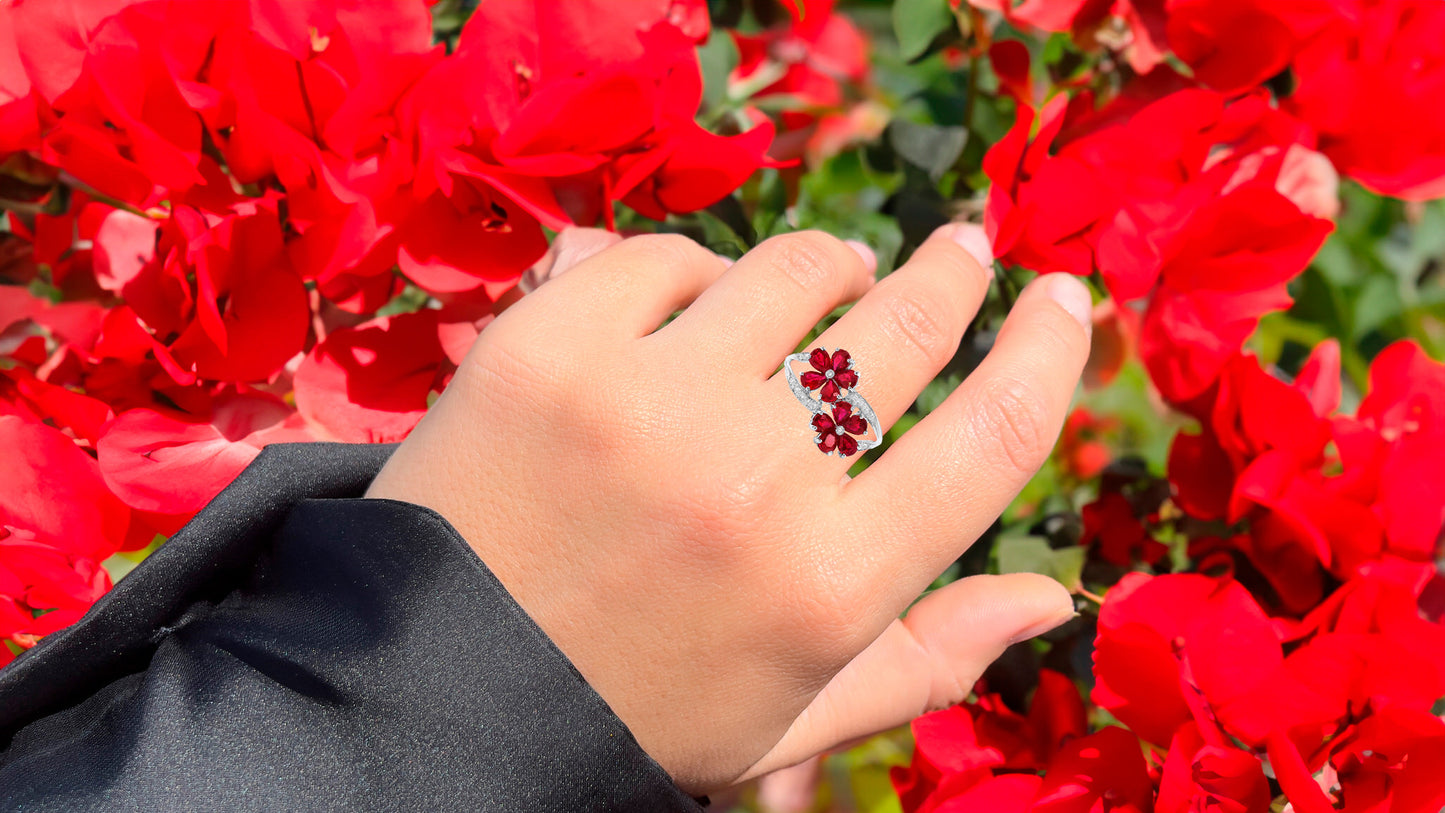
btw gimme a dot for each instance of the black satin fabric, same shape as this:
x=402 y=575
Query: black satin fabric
x=296 y=647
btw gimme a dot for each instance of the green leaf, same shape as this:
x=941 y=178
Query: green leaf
x=930 y=147
x=1377 y=302
x=718 y=57
x=1032 y=554
x=918 y=23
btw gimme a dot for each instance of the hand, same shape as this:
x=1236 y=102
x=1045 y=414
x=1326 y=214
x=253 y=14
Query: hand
x=655 y=500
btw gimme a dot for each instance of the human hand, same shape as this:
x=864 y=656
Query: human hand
x=655 y=500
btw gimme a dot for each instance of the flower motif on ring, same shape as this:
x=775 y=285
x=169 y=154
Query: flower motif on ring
x=830 y=374
x=836 y=432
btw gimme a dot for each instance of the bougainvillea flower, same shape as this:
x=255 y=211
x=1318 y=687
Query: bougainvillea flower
x=970 y=754
x=837 y=431
x=1103 y=771
x=371 y=383
x=1368 y=88
x=1202 y=776
x=1167 y=643
x=220 y=298
x=38 y=575
x=1390 y=451
x=55 y=490
x=1229 y=45
x=1043 y=211
x=813 y=55
x=171 y=464
x=1393 y=761
x=1113 y=529
x=830 y=375
x=632 y=66
x=1221 y=272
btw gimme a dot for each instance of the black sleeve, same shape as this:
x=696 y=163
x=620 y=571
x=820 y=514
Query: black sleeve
x=296 y=647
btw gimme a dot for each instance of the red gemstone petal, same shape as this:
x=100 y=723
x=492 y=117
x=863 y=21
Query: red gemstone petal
x=819 y=359
x=830 y=391
x=856 y=424
x=841 y=411
x=840 y=360
x=846 y=379
x=831 y=441
x=823 y=423
x=812 y=380
x=847 y=446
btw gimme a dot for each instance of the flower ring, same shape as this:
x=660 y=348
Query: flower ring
x=841 y=416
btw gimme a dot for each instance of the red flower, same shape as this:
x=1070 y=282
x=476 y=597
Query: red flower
x=1230 y=45
x=1370 y=87
x=1102 y=772
x=833 y=375
x=1219 y=778
x=1220 y=273
x=836 y=433
x=964 y=756
x=1393 y=761
x=815 y=53
x=1167 y=645
x=171 y=464
x=219 y=297
x=58 y=522
x=1115 y=531
x=372 y=383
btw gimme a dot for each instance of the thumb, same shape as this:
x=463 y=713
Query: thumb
x=926 y=661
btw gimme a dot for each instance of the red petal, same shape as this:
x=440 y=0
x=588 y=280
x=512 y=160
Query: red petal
x=840 y=360
x=856 y=425
x=829 y=392
x=847 y=446
x=812 y=380
x=370 y=383
x=847 y=379
x=829 y=441
x=823 y=423
x=819 y=359
x=841 y=411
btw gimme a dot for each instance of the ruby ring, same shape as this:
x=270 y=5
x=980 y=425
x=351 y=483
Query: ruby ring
x=844 y=421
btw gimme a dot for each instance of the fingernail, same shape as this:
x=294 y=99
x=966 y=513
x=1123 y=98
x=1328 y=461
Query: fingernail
x=975 y=241
x=1073 y=296
x=1044 y=626
x=869 y=258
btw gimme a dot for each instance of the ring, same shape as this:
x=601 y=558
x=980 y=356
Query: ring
x=840 y=415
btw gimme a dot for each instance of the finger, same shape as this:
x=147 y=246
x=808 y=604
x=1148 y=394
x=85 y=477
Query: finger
x=942 y=483
x=572 y=246
x=904 y=330
x=632 y=286
x=768 y=301
x=927 y=661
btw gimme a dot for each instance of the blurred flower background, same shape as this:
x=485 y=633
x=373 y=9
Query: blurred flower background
x=235 y=222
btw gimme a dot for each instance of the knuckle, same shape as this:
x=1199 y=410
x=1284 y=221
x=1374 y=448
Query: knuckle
x=1015 y=417
x=665 y=251
x=811 y=260
x=924 y=322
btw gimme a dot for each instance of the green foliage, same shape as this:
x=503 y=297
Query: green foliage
x=921 y=23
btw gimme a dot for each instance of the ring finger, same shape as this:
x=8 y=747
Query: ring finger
x=899 y=335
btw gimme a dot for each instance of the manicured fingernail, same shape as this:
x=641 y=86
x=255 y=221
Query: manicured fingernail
x=975 y=241
x=1073 y=296
x=869 y=258
x=1044 y=626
